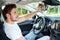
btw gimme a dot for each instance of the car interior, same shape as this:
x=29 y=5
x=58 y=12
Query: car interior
x=49 y=24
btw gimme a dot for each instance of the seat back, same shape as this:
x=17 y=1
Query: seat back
x=2 y=33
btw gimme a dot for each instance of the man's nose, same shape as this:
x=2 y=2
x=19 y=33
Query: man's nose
x=17 y=12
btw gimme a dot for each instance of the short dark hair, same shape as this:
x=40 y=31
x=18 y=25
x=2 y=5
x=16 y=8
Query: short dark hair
x=8 y=9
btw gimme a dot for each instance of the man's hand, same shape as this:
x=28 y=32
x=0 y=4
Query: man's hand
x=38 y=8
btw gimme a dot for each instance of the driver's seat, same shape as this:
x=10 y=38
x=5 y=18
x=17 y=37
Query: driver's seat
x=2 y=33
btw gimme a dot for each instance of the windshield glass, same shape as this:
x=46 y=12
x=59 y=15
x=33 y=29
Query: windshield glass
x=53 y=11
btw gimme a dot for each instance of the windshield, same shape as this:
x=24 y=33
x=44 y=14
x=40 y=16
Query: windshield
x=52 y=11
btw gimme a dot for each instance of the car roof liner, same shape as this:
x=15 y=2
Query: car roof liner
x=2 y=2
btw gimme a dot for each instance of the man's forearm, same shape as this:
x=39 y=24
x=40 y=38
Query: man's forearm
x=21 y=19
x=30 y=15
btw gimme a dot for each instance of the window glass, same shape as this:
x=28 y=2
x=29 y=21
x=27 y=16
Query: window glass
x=22 y=11
x=53 y=11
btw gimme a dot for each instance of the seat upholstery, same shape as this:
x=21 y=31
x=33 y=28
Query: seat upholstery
x=2 y=33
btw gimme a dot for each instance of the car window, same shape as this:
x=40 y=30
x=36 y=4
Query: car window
x=22 y=12
x=52 y=11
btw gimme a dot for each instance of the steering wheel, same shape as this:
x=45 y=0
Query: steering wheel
x=38 y=25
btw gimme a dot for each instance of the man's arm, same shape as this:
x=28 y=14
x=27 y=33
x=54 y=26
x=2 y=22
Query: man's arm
x=21 y=19
x=20 y=38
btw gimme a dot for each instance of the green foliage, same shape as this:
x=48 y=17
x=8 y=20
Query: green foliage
x=21 y=11
x=24 y=11
x=53 y=10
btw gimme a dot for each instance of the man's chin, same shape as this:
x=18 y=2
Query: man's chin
x=15 y=20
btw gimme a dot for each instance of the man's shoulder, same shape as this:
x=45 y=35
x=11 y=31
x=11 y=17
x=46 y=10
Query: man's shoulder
x=8 y=25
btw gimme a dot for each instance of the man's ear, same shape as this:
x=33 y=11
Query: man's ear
x=7 y=15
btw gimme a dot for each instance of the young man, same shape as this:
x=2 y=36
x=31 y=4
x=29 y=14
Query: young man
x=11 y=28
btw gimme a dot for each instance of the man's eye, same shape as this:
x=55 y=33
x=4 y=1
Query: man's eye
x=14 y=12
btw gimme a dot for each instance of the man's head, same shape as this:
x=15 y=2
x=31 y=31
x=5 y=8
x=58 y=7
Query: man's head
x=10 y=12
x=42 y=7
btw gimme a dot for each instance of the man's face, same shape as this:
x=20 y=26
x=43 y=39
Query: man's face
x=14 y=14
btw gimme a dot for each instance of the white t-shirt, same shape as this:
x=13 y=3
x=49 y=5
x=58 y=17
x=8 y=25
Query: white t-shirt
x=12 y=31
